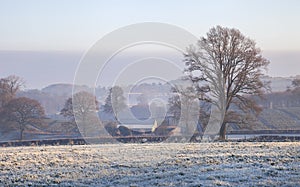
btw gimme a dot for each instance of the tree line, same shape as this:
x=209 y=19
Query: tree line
x=18 y=111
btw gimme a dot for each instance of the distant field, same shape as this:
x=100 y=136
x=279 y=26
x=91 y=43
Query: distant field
x=165 y=164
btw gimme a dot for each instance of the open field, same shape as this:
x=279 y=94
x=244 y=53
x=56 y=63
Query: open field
x=165 y=164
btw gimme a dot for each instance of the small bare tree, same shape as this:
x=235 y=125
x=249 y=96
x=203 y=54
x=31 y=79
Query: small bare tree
x=227 y=67
x=67 y=111
x=24 y=111
x=82 y=109
x=115 y=102
x=184 y=107
x=296 y=84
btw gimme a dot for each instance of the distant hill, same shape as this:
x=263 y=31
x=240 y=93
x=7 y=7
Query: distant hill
x=51 y=102
x=58 y=89
x=279 y=84
x=63 y=89
x=54 y=96
x=284 y=118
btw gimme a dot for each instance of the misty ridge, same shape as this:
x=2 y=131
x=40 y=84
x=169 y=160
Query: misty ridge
x=280 y=108
x=53 y=96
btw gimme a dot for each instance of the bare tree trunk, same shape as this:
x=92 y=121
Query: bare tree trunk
x=84 y=126
x=21 y=133
x=222 y=133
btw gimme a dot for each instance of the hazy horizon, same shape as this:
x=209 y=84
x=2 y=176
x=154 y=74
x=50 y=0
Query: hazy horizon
x=43 y=42
x=42 y=68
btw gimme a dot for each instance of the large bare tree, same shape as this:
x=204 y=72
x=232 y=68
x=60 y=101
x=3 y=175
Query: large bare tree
x=24 y=112
x=226 y=68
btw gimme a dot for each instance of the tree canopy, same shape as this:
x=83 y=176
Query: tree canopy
x=115 y=101
x=226 y=68
x=24 y=111
x=81 y=110
x=8 y=88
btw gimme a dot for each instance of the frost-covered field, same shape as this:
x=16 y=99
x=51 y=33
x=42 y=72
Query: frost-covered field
x=165 y=164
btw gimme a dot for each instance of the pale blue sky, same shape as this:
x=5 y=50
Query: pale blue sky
x=75 y=25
